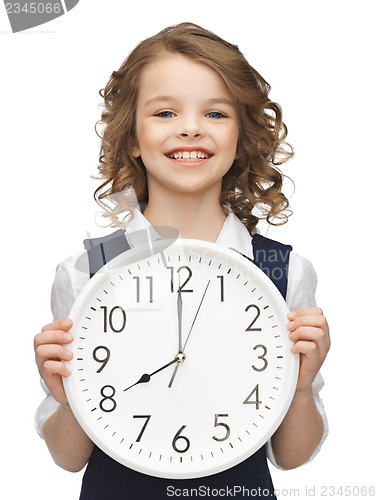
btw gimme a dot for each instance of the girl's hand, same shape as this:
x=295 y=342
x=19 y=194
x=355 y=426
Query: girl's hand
x=310 y=333
x=49 y=354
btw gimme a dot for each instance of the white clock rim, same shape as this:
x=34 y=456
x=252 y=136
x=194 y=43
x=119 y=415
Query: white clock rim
x=141 y=253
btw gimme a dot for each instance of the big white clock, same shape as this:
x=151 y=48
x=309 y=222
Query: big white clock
x=182 y=363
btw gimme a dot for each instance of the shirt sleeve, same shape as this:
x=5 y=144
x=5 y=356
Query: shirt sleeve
x=62 y=299
x=302 y=283
x=62 y=294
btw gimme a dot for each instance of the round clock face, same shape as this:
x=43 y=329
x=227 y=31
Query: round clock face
x=182 y=365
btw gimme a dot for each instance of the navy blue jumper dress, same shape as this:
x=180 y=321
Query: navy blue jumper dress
x=106 y=479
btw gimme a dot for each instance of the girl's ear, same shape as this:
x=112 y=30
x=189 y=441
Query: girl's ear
x=134 y=148
x=135 y=151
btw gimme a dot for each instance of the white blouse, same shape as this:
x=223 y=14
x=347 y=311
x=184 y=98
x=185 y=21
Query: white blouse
x=72 y=275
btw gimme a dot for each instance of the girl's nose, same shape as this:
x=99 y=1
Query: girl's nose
x=191 y=134
x=190 y=127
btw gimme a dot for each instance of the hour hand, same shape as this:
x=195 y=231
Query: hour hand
x=147 y=376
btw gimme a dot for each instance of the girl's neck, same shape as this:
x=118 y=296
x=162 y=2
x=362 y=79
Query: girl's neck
x=192 y=217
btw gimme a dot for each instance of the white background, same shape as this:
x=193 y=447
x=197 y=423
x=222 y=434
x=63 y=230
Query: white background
x=319 y=56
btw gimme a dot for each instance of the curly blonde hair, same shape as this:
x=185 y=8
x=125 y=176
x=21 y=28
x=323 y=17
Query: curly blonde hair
x=252 y=188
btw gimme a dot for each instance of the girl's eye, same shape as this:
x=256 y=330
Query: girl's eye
x=165 y=114
x=215 y=114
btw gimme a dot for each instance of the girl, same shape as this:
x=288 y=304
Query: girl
x=189 y=127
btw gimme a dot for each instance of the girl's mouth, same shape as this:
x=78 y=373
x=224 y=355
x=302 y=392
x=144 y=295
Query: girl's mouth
x=189 y=155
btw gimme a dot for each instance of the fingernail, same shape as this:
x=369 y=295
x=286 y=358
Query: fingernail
x=68 y=336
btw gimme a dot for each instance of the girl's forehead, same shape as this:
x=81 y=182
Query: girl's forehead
x=176 y=74
x=169 y=67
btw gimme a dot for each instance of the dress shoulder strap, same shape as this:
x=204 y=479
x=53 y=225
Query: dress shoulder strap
x=273 y=258
x=102 y=250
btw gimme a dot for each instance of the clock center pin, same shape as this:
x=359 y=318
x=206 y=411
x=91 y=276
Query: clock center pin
x=180 y=357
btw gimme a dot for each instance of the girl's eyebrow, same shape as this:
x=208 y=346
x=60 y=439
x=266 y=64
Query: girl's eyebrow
x=171 y=99
x=221 y=100
x=161 y=98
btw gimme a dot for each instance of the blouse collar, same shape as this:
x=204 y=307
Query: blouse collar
x=233 y=233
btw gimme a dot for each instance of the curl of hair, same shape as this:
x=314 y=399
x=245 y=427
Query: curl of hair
x=252 y=188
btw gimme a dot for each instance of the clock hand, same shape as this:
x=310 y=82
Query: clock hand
x=188 y=336
x=147 y=376
x=179 y=310
x=196 y=315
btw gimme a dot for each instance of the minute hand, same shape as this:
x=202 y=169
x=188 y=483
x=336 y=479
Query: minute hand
x=179 y=309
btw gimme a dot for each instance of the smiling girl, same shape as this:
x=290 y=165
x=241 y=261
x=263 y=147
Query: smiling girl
x=189 y=127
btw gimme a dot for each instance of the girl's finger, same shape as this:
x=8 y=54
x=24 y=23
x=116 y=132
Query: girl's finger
x=51 y=367
x=307 y=348
x=53 y=351
x=308 y=311
x=61 y=324
x=52 y=337
x=314 y=320
x=310 y=333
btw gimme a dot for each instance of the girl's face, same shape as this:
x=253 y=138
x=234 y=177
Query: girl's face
x=186 y=127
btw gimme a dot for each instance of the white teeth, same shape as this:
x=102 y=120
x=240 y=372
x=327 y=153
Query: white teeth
x=189 y=155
